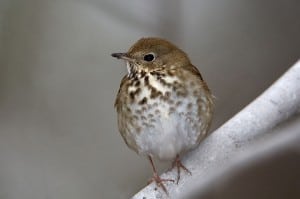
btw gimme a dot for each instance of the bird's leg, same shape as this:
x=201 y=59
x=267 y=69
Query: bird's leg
x=177 y=163
x=156 y=178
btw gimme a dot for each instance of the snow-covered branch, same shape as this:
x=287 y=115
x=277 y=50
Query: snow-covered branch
x=275 y=105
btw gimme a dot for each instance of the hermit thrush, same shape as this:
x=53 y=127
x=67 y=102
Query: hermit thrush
x=164 y=106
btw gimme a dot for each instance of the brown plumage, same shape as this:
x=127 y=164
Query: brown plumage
x=164 y=106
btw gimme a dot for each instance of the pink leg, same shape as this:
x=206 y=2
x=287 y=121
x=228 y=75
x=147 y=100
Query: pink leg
x=177 y=163
x=156 y=178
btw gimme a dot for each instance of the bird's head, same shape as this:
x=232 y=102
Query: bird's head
x=153 y=54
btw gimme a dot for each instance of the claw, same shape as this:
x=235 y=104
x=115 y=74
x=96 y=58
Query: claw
x=157 y=179
x=159 y=182
x=177 y=163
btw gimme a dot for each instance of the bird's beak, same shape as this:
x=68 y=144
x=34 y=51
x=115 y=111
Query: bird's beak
x=123 y=56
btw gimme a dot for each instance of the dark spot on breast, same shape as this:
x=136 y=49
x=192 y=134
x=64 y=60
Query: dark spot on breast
x=199 y=101
x=190 y=105
x=128 y=109
x=171 y=110
x=146 y=80
x=195 y=93
x=157 y=111
x=155 y=93
x=143 y=73
x=156 y=74
x=153 y=73
x=168 y=94
x=152 y=120
x=171 y=101
x=170 y=73
x=131 y=94
x=137 y=91
x=135 y=117
x=143 y=101
x=175 y=86
x=137 y=83
x=181 y=93
x=150 y=115
x=138 y=112
x=162 y=81
x=145 y=124
x=178 y=103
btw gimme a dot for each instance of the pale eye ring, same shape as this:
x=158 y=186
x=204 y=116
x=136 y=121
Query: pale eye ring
x=149 y=57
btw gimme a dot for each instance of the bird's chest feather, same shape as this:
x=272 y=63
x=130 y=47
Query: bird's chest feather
x=163 y=117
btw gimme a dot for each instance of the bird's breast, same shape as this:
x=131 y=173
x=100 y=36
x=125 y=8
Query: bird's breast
x=160 y=117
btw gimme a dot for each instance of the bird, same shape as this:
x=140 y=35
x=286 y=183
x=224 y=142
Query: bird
x=164 y=107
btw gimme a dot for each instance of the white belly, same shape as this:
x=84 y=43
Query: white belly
x=168 y=134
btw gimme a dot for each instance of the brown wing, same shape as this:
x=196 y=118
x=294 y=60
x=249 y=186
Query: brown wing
x=196 y=72
x=119 y=95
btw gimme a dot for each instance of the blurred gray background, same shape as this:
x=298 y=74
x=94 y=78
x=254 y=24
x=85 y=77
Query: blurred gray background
x=58 y=129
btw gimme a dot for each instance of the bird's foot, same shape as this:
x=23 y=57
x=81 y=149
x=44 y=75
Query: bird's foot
x=178 y=164
x=159 y=182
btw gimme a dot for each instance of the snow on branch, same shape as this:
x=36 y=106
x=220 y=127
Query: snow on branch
x=279 y=102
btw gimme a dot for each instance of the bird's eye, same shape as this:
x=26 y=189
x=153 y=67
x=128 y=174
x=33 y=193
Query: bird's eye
x=149 y=57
